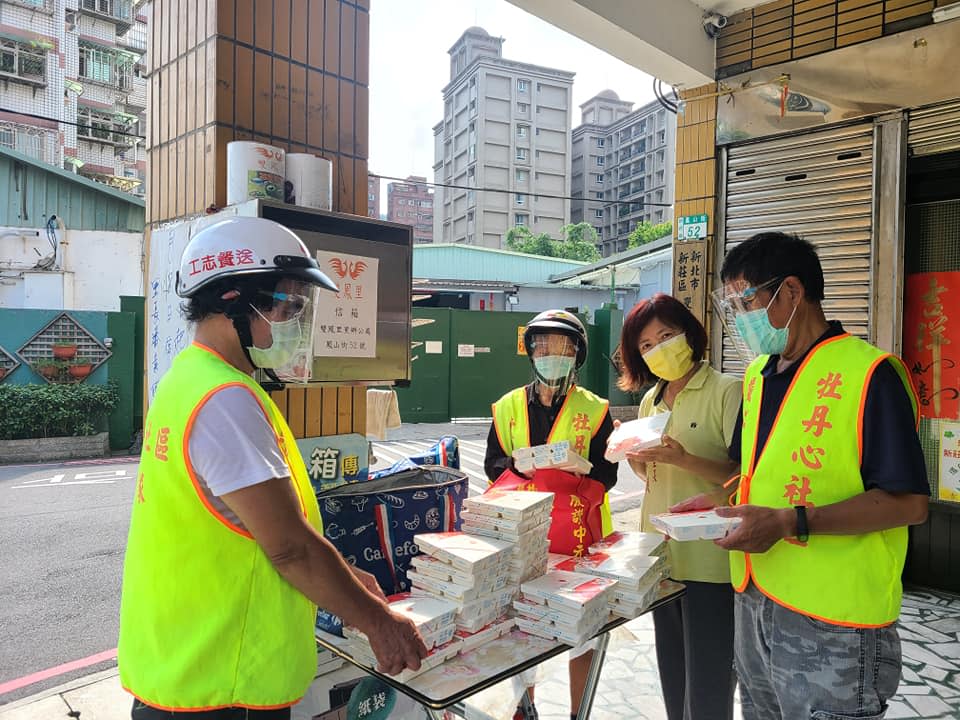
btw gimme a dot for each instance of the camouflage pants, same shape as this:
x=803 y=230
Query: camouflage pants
x=793 y=667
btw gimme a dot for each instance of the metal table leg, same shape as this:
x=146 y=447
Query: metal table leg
x=593 y=677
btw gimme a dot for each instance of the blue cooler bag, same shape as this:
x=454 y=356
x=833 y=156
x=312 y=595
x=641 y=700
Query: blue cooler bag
x=372 y=524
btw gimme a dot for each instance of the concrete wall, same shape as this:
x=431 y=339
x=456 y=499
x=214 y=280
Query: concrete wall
x=91 y=269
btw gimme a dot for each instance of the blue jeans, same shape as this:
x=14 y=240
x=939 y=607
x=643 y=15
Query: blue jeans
x=794 y=667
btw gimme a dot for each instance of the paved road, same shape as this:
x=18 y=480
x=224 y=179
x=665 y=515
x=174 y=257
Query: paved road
x=63 y=529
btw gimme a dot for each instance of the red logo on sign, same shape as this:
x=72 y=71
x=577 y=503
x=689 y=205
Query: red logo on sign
x=344 y=268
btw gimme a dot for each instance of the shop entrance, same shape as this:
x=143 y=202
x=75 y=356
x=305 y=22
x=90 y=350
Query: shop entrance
x=931 y=349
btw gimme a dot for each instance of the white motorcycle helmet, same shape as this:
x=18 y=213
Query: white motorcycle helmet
x=271 y=273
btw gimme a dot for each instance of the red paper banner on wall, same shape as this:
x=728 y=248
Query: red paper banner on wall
x=931 y=341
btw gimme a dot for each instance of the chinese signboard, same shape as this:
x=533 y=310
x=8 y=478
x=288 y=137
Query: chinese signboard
x=931 y=341
x=347 y=327
x=949 y=464
x=690 y=276
x=692 y=227
x=335 y=460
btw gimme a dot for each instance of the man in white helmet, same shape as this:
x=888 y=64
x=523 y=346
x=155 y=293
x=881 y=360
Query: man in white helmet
x=225 y=560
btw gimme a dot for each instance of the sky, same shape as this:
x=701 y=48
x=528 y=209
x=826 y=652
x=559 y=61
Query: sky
x=409 y=68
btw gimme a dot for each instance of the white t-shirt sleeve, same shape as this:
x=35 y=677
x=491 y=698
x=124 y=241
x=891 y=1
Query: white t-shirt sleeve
x=232 y=444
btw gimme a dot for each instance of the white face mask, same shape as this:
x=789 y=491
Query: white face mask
x=286 y=337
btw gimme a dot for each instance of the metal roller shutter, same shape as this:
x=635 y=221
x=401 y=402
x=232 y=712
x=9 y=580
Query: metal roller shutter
x=819 y=185
x=934 y=129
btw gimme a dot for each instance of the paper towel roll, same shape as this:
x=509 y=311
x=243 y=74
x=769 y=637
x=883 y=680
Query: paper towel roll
x=309 y=181
x=254 y=170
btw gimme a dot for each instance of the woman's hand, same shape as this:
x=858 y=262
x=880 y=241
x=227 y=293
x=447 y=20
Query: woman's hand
x=670 y=452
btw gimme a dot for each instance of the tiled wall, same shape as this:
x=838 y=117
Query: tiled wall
x=791 y=29
x=695 y=190
x=290 y=73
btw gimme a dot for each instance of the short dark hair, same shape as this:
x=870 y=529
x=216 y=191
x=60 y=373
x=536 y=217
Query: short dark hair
x=209 y=300
x=770 y=256
x=634 y=372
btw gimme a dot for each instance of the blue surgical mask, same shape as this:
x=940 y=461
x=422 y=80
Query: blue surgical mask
x=759 y=334
x=554 y=368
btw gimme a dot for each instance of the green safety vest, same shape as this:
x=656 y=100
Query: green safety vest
x=578 y=421
x=206 y=621
x=812 y=457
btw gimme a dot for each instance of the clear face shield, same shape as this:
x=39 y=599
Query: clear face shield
x=554 y=358
x=745 y=320
x=289 y=312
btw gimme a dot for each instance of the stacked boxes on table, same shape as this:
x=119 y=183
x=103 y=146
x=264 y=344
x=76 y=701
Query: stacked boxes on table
x=637 y=578
x=568 y=606
x=467 y=570
x=435 y=619
x=519 y=518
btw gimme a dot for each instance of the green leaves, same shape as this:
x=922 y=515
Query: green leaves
x=646 y=232
x=578 y=243
x=36 y=411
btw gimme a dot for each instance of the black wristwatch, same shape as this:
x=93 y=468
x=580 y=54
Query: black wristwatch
x=803 y=531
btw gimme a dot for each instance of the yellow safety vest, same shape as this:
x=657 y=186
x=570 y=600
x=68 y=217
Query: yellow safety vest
x=205 y=619
x=578 y=421
x=812 y=457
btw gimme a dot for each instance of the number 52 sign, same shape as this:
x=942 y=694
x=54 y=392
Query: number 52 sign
x=692 y=227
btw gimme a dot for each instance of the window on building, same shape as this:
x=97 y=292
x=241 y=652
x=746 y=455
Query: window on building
x=521 y=153
x=98 y=64
x=93 y=125
x=538 y=109
x=22 y=61
x=522 y=131
x=520 y=219
x=599 y=142
x=598 y=213
x=523 y=108
x=472 y=151
x=599 y=194
x=599 y=159
x=371 y=197
x=599 y=178
x=662 y=137
x=25 y=139
x=539 y=87
x=521 y=86
x=599 y=231
x=522 y=177
x=520 y=198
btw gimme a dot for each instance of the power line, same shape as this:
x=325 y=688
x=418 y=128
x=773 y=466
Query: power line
x=67 y=122
x=519 y=192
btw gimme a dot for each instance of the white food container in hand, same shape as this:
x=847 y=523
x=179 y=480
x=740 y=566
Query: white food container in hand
x=695 y=525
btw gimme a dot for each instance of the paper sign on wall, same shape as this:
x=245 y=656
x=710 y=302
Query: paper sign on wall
x=464 y=350
x=949 y=461
x=433 y=347
x=347 y=325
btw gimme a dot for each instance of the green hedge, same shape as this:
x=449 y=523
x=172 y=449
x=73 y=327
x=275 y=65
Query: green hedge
x=39 y=411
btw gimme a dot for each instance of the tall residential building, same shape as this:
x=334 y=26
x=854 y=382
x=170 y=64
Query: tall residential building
x=73 y=88
x=411 y=203
x=505 y=128
x=623 y=167
x=373 y=196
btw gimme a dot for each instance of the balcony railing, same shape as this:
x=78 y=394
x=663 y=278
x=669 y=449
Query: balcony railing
x=119 y=12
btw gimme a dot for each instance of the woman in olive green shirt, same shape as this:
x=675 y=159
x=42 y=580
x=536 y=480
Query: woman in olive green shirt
x=663 y=343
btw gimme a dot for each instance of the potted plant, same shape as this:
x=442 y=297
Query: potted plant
x=64 y=349
x=80 y=368
x=50 y=369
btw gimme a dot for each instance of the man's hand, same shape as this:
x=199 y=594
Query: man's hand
x=396 y=643
x=368 y=581
x=670 y=452
x=760 y=527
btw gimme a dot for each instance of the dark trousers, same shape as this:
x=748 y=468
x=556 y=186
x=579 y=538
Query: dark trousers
x=142 y=711
x=694 y=638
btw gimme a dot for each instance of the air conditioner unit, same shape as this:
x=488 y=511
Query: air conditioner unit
x=70 y=19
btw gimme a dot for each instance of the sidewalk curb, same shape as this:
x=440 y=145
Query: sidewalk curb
x=66 y=687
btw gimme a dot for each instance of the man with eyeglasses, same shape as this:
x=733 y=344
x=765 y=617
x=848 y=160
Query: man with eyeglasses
x=226 y=562
x=832 y=473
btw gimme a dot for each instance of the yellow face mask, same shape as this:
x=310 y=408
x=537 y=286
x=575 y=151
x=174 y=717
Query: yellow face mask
x=671 y=359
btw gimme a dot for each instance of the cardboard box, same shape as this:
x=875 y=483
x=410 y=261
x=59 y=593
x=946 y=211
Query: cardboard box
x=472 y=554
x=511 y=505
x=696 y=525
x=578 y=591
x=636 y=435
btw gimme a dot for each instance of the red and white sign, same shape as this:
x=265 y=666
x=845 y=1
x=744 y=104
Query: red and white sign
x=346 y=323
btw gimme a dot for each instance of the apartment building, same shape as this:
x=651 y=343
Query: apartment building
x=622 y=169
x=506 y=132
x=73 y=88
x=411 y=203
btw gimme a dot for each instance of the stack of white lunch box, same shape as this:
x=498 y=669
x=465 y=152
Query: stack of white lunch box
x=556 y=456
x=568 y=606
